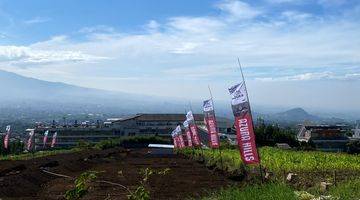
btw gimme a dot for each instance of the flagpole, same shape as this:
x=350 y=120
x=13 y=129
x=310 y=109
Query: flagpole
x=202 y=151
x=252 y=120
x=220 y=152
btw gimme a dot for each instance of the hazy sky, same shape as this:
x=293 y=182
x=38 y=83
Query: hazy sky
x=294 y=52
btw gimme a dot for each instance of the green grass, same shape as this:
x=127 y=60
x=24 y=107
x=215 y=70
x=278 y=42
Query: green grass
x=278 y=160
x=312 y=165
x=27 y=156
x=347 y=190
x=271 y=191
x=279 y=191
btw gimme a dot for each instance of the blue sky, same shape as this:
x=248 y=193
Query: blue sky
x=294 y=52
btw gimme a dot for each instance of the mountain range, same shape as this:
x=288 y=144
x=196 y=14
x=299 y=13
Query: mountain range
x=23 y=91
x=26 y=95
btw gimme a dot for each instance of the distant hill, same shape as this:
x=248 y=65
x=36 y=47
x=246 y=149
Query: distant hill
x=19 y=91
x=296 y=115
x=299 y=115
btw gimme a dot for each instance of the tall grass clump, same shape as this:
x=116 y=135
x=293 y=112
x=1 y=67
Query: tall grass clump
x=349 y=190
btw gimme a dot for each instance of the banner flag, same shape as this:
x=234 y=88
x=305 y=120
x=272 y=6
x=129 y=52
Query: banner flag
x=210 y=122
x=173 y=135
x=179 y=134
x=29 y=142
x=53 y=140
x=188 y=133
x=45 y=137
x=7 y=136
x=193 y=129
x=177 y=139
x=244 y=124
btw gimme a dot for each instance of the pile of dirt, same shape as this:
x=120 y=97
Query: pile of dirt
x=186 y=178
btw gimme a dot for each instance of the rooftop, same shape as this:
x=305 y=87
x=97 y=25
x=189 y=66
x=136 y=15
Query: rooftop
x=162 y=117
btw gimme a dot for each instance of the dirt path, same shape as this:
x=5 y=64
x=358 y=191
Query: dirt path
x=25 y=180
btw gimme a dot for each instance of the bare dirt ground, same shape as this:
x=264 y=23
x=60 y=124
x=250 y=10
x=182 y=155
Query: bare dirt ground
x=186 y=178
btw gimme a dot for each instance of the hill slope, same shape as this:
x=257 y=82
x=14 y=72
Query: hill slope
x=22 y=91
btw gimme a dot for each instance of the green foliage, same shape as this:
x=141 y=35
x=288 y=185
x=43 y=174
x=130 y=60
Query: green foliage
x=343 y=191
x=347 y=190
x=106 y=144
x=81 y=185
x=354 y=147
x=255 y=192
x=270 y=134
x=142 y=192
x=278 y=160
x=26 y=156
x=83 y=145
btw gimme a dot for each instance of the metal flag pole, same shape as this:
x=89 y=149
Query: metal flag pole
x=220 y=152
x=247 y=96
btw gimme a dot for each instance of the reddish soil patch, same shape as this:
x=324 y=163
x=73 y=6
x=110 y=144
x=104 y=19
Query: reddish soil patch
x=186 y=178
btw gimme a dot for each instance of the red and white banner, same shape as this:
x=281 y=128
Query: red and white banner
x=181 y=141
x=180 y=137
x=188 y=134
x=210 y=122
x=53 y=140
x=30 y=140
x=45 y=138
x=243 y=123
x=174 y=139
x=193 y=128
x=7 y=136
x=177 y=142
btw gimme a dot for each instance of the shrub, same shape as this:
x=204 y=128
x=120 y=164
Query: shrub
x=81 y=185
x=83 y=145
x=354 y=147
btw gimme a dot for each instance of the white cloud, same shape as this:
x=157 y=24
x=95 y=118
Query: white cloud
x=97 y=29
x=314 y=76
x=152 y=26
x=238 y=10
x=195 y=24
x=185 y=48
x=23 y=55
x=296 y=16
x=37 y=20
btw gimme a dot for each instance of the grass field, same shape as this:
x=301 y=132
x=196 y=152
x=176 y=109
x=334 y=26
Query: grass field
x=259 y=192
x=280 y=191
x=278 y=160
x=311 y=166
